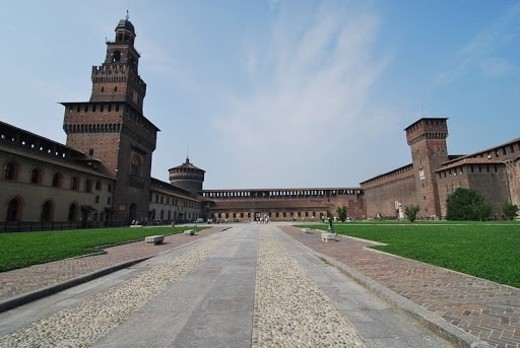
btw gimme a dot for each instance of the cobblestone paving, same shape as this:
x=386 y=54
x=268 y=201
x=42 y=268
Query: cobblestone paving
x=290 y=309
x=485 y=309
x=25 y=280
x=82 y=324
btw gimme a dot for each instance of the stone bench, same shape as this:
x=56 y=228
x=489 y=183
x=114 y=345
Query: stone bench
x=306 y=230
x=190 y=232
x=327 y=237
x=157 y=239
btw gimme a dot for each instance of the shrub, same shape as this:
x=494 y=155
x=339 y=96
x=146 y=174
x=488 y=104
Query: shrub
x=467 y=204
x=342 y=213
x=510 y=210
x=411 y=212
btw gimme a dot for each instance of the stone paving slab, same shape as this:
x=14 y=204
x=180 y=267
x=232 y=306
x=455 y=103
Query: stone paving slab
x=484 y=309
x=26 y=284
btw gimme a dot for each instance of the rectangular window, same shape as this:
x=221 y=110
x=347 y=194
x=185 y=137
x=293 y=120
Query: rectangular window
x=88 y=186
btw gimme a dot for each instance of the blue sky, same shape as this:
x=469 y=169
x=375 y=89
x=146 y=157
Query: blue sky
x=273 y=93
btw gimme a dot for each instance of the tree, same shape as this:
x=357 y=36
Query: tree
x=467 y=204
x=342 y=213
x=411 y=212
x=510 y=210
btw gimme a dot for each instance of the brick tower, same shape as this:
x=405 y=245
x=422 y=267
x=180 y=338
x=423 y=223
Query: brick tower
x=427 y=140
x=188 y=177
x=112 y=129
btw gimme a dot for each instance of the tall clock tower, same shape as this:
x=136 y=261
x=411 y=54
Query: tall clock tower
x=111 y=128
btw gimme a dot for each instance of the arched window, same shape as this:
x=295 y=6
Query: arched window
x=73 y=212
x=36 y=176
x=47 y=213
x=135 y=166
x=10 y=171
x=116 y=57
x=74 y=183
x=56 y=179
x=13 y=210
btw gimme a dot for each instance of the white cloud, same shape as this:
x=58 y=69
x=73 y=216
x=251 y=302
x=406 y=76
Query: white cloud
x=308 y=98
x=497 y=67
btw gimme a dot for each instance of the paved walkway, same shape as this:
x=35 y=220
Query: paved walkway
x=484 y=309
x=22 y=285
x=250 y=286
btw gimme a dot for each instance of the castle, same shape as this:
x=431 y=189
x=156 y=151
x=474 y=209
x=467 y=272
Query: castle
x=102 y=175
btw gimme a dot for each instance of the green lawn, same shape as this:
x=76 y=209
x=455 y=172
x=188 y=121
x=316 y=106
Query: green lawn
x=24 y=249
x=485 y=250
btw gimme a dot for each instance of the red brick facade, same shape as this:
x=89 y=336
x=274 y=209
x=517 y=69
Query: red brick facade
x=425 y=182
x=111 y=126
x=306 y=204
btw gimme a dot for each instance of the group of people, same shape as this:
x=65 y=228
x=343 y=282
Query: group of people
x=263 y=219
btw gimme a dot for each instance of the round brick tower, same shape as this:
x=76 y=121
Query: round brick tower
x=187 y=177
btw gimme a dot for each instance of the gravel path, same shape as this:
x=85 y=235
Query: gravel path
x=290 y=309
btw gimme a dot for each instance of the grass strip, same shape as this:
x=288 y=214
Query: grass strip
x=23 y=249
x=486 y=250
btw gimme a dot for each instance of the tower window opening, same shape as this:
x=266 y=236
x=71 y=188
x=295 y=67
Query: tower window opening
x=116 y=56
